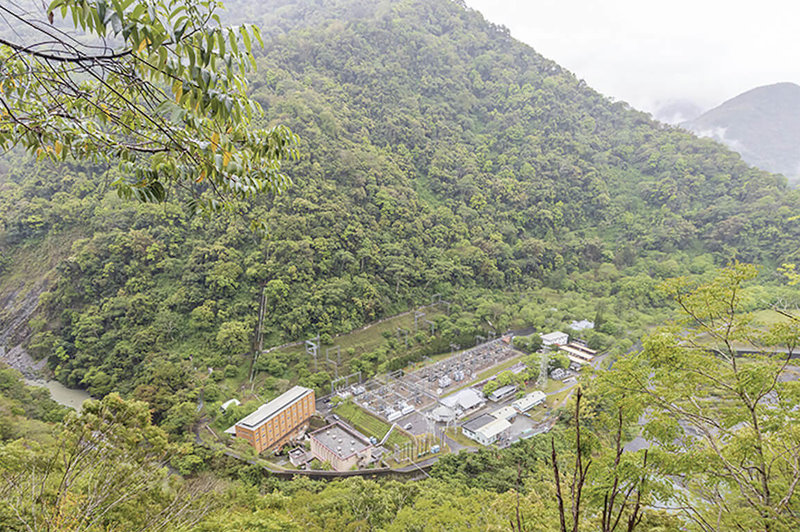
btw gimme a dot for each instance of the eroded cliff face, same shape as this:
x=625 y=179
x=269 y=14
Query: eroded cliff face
x=18 y=305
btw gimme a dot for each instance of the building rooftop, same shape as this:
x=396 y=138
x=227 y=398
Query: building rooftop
x=553 y=336
x=341 y=440
x=577 y=355
x=504 y=390
x=443 y=411
x=580 y=346
x=530 y=400
x=224 y=406
x=464 y=399
x=268 y=410
x=581 y=325
x=474 y=424
x=495 y=427
x=505 y=412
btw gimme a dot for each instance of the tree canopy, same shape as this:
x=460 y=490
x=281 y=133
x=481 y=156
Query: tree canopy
x=160 y=87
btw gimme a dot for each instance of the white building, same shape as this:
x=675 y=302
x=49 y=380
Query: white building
x=507 y=412
x=503 y=392
x=529 y=401
x=485 y=429
x=491 y=432
x=443 y=414
x=227 y=404
x=554 y=338
x=464 y=401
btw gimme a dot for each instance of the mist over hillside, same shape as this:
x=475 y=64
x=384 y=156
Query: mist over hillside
x=762 y=124
x=677 y=112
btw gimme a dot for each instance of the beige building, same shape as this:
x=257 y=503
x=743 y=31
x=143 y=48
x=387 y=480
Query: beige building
x=278 y=421
x=340 y=446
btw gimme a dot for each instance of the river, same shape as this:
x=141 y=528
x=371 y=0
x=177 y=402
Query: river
x=61 y=394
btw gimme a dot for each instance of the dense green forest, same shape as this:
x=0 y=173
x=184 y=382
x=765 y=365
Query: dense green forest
x=51 y=472
x=437 y=156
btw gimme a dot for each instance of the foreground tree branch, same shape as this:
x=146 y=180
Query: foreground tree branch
x=161 y=90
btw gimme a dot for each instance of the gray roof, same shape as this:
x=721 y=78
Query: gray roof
x=481 y=421
x=495 y=427
x=267 y=411
x=530 y=400
x=341 y=439
x=553 y=336
x=464 y=399
x=508 y=388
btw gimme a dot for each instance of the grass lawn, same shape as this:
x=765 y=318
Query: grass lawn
x=456 y=435
x=370 y=425
x=371 y=337
x=554 y=400
x=537 y=413
x=552 y=386
x=770 y=317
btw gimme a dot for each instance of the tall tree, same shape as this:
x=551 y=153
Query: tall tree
x=158 y=86
x=720 y=407
x=107 y=470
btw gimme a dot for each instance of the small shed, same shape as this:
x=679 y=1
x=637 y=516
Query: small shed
x=227 y=404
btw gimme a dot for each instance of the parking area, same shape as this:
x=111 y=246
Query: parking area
x=416 y=423
x=521 y=427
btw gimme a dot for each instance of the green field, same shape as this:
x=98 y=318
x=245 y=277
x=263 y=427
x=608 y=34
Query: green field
x=369 y=425
x=371 y=337
x=770 y=317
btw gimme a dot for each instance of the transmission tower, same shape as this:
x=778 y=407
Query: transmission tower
x=544 y=363
x=417 y=316
x=404 y=333
x=432 y=326
x=335 y=363
x=312 y=348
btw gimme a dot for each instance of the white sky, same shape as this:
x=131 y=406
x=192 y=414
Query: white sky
x=648 y=52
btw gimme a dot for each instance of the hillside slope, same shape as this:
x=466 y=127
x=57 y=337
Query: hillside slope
x=438 y=156
x=763 y=124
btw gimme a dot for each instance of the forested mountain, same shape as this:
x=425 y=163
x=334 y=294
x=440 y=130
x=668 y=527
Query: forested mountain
x=439 y=158
x=763 y=124
x=439 y=155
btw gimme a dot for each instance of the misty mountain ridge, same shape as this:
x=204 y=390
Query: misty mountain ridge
x=762 y=124
x=676 y=112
